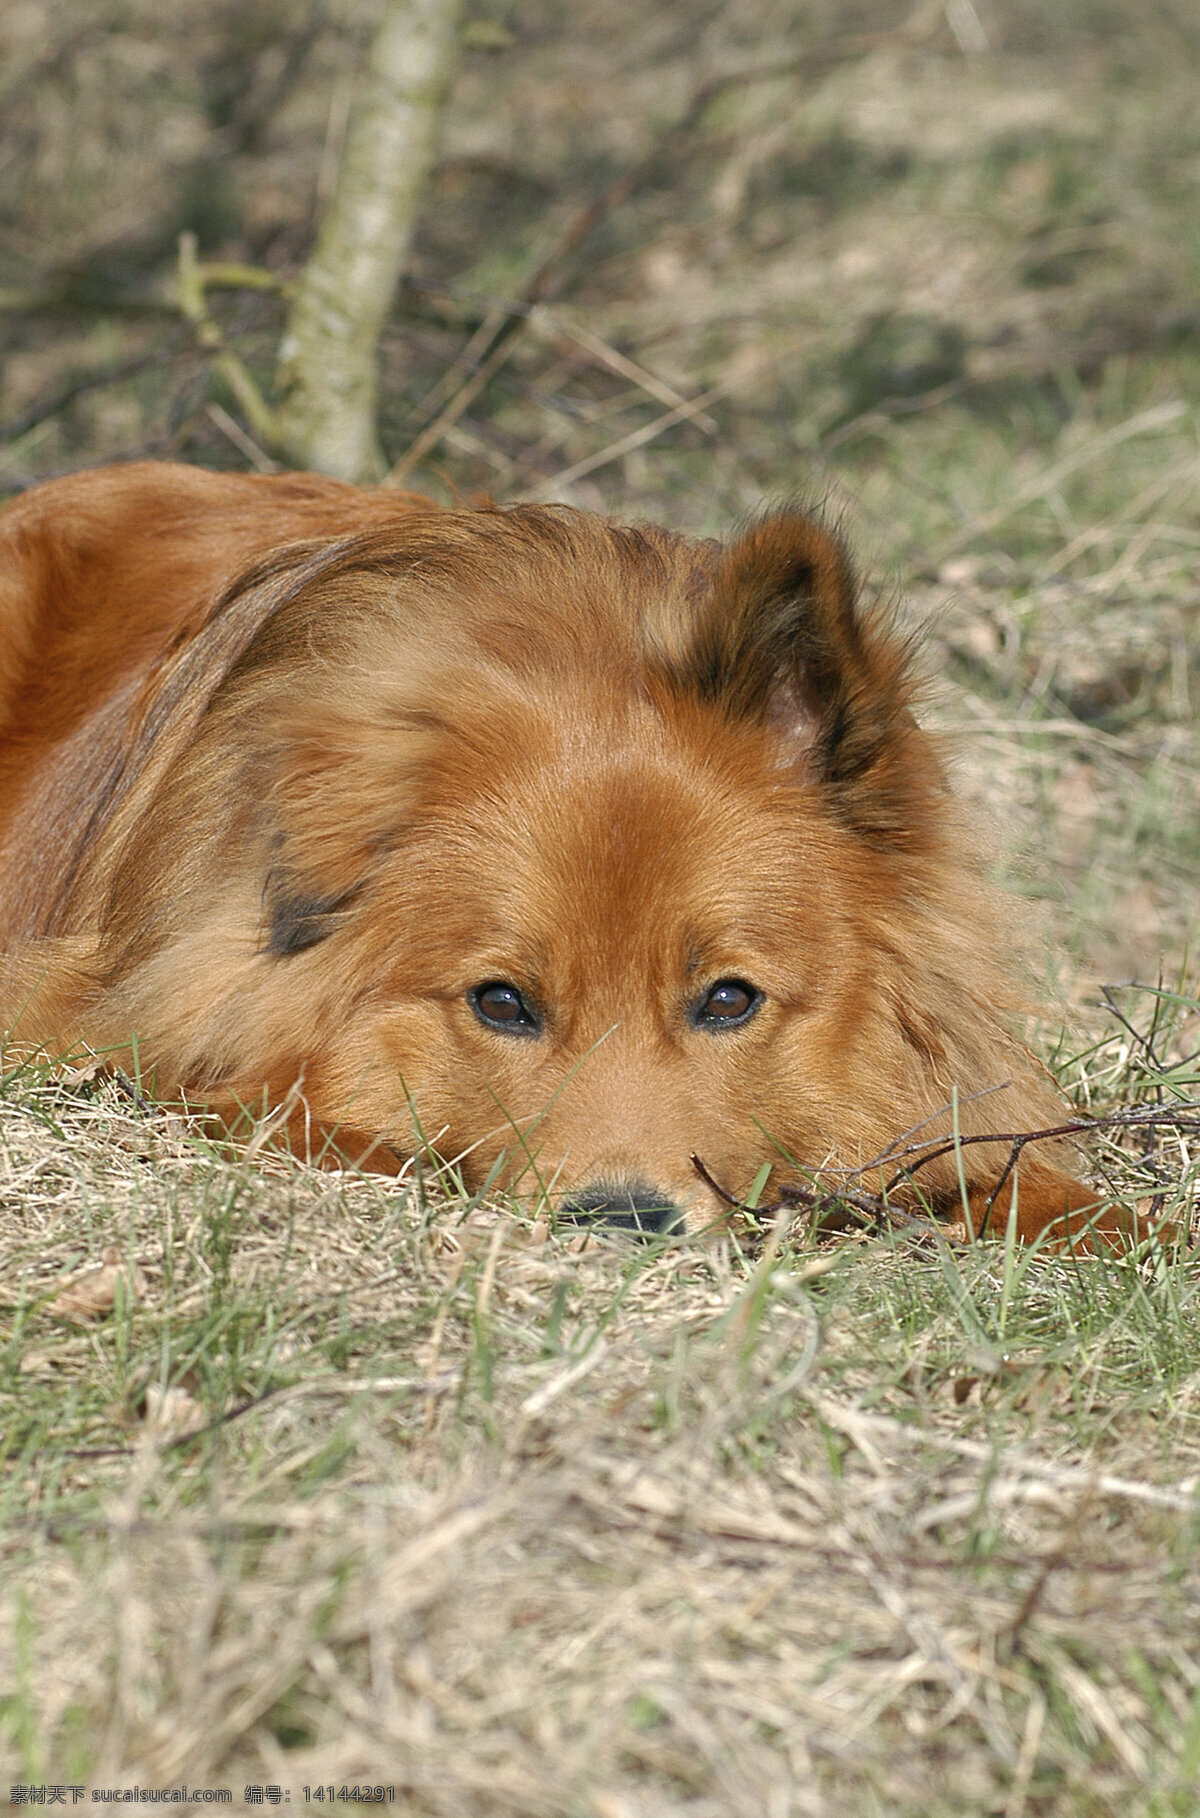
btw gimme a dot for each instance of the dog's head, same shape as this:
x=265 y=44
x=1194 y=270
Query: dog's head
x=570 y=850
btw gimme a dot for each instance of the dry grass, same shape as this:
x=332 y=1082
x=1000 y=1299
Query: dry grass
x=356 y=1483
x=351 y=1482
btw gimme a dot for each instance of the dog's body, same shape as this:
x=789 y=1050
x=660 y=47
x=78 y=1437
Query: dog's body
x=511 y=830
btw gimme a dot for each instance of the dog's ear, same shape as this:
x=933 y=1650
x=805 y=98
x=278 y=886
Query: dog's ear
x=783 y=642
x=344 y=791
x=339 y=781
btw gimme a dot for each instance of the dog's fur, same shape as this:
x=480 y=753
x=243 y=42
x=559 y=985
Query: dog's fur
x=288 y=771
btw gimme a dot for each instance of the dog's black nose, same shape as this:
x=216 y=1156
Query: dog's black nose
x=627 y=1205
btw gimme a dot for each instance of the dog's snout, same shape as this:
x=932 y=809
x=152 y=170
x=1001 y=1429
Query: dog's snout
x=627 y=1205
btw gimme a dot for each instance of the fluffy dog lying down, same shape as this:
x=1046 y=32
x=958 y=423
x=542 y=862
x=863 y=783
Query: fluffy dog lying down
x=585 y=843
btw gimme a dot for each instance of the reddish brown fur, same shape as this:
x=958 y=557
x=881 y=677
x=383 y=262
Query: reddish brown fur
x=287 y=769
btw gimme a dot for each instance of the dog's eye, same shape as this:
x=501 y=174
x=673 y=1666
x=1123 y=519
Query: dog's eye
x=501 y=1006
x=726 y=1004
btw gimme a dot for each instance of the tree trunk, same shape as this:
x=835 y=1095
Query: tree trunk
x=328 y=362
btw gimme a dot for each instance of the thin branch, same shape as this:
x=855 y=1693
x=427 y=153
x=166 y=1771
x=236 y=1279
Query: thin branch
x=877 y=1208
x=834 y=1208
x=246 y=445
x=501 y=346
x=194 y=305
x=637 y=438
x=228 y=274
x=560 y=328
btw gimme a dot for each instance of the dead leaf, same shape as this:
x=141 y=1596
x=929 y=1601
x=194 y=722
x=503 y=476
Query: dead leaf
x=169 y=1413
x=93 y=1294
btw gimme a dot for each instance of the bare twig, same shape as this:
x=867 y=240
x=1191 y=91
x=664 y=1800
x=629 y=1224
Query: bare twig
x=194 y=305
x=228 y=274
x=833 y=1208
x=877 y=1208
x=125 y=1085
x=637 y=438
x=501 y=346
x=602 y=354
x=232 y=429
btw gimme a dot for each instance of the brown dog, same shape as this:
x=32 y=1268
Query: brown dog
x=514 y=831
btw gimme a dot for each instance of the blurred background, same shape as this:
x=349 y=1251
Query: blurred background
x=934 y=267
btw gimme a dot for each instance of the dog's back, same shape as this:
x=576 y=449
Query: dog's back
x=102 y=575
x=101 y=572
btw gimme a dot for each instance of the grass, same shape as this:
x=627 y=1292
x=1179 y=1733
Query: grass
x=360 y=1486
x=349 y=1482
